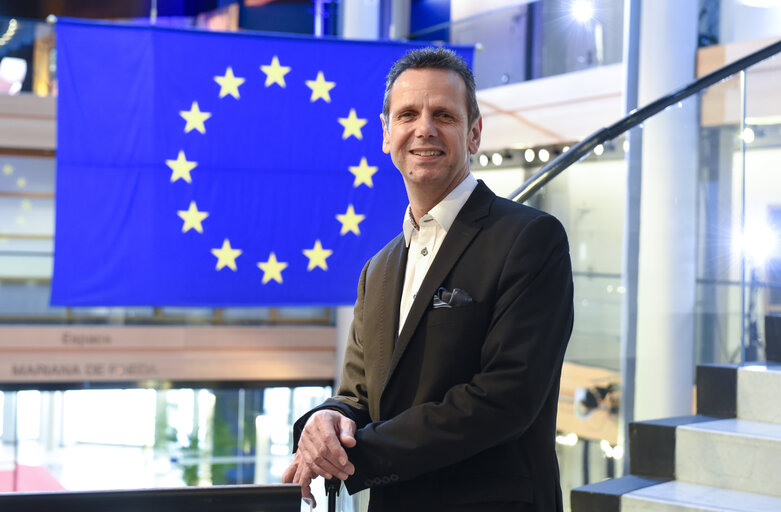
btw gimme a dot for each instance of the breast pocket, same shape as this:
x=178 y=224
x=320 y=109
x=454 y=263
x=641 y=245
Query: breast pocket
x=454 y=340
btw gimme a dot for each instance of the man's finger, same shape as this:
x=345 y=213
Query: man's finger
x=289 y=474
x=304 y=479
x=320 y=465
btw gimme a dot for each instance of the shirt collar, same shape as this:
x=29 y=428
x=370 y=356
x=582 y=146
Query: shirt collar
x=446 y=210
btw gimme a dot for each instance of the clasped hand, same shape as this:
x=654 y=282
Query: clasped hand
x=321 y=450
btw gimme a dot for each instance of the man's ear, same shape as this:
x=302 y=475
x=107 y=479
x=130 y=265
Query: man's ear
x=385 y=135
x=473 y=137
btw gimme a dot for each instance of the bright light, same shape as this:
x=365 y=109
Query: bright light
x=625 y=145
x=748 y=135
x=544 y=155
x=565 y=149
x=582 y=11
x=606 y=448
x=618 y=452
x=496 y=158
x=761 y=4
x=529 y=155
x=483 y=160
x=759 y=243
x=570 y=439
x=599 y=150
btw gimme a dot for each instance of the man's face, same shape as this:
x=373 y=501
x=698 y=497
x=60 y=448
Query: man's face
x=428 y=137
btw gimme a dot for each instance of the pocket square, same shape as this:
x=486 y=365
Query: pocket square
x=445 y=298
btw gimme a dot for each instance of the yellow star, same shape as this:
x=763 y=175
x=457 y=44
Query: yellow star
x=272 y=269
x=275 y=74
x=226 y=255
x=320 y=88
x=192 y=218
x=195 y=118
x=350 y=221
x=21 y=182
x=27 y=205
x=21 y=220
x=363 y=173
x=7 y=169
x=181 y=168
x=229 y=84
x=352 y=125
x=317 y=256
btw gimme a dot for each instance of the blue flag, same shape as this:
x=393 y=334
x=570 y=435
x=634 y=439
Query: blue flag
x=217 y=169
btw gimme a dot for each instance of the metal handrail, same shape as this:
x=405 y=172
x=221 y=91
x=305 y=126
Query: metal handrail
x=585 y=146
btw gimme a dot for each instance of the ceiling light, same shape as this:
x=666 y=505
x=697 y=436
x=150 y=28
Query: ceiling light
x=483 y=160
x=544 y=155
x=496 y=158
x=599 y=150
x=582 y=11
x=529 y=155
x=748 y=135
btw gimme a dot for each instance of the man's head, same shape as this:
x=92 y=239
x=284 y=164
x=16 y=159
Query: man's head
x=433 y=58
x=431 y=123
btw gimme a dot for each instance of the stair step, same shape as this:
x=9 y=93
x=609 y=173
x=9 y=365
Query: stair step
x=758 y=393
x=732 y=454
x=685 y=497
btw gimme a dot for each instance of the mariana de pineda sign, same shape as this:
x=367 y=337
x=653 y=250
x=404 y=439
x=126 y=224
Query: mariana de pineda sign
x=105 y=354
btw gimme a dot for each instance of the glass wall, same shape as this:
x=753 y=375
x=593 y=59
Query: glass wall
x=100 y=439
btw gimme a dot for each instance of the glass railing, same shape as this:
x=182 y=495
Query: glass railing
x=737 y=213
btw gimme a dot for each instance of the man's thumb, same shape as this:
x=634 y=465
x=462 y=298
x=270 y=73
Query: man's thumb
x=347 y=432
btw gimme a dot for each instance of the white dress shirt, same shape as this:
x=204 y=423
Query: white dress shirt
x=425 y=240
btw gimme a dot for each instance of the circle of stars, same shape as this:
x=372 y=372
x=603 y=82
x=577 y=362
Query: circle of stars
x=181 y=169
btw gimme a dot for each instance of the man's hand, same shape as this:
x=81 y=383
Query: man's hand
x=321 y=450
x=298 y=473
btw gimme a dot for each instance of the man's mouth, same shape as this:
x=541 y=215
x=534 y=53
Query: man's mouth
x=427 y=153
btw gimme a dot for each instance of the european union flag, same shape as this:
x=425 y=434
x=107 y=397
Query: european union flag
x=217 y=169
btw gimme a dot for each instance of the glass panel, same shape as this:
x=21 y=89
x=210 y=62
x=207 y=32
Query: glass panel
x=535 y=39
x=145 y=438
x=762 y=233
x=720 y=183
x=589 y=201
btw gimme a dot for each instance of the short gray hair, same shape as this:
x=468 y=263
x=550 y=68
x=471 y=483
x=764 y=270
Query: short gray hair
x=433 y=58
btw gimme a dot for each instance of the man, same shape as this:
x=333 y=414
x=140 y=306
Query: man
x=450 y=384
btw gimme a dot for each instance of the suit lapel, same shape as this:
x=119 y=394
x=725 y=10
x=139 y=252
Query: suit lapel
x=465 y=226
x=390 y=302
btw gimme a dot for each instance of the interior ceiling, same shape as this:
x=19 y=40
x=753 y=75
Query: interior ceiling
x=550 y=110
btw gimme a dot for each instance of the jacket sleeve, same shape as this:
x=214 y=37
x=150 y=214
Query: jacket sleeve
x=520 y=363
x=351 y=399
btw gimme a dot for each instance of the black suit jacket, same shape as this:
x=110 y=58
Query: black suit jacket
x=459 y=409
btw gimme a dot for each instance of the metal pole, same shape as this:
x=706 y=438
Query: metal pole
x=631 y=242
x=743 y=313
x=153 y=12
x=15 y=485
x=319 y=18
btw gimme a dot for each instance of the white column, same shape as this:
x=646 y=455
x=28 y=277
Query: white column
x=361 y=19
x=667 y=255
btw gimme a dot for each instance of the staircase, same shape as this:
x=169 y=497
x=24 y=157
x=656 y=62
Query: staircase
x=725 y=458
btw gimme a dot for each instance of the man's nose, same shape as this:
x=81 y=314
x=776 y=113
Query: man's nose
x=425 y=126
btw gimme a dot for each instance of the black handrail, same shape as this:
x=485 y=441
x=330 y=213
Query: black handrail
x=584 y=147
